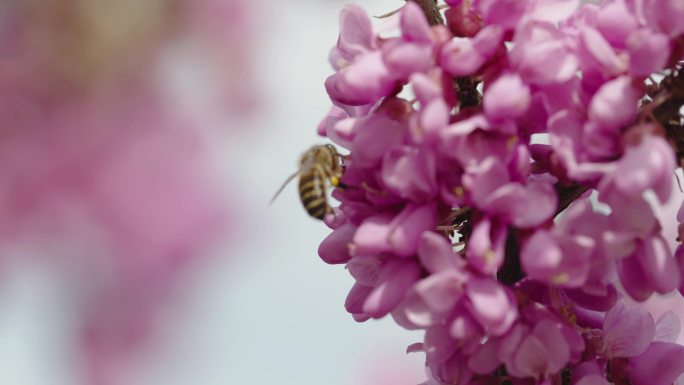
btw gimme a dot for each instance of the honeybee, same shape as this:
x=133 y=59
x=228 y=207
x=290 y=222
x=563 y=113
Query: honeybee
x=318 y=166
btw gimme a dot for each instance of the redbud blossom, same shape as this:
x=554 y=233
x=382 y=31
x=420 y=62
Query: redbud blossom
x=466 y=209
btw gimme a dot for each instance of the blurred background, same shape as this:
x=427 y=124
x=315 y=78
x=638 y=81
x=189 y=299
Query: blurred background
x=141 y=142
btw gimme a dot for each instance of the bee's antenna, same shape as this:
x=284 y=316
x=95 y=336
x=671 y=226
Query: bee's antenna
x=389 y=13
x=288 y=180
x=679 y=182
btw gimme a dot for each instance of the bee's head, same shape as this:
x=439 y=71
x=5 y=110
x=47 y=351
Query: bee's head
x=332 y=149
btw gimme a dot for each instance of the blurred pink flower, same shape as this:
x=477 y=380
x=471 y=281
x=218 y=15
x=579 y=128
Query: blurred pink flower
x=93 y=154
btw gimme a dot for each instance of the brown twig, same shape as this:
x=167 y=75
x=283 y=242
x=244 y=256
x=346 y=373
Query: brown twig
x=468 y=95
x=568 y=193
x=431 y=11
x=664 y=109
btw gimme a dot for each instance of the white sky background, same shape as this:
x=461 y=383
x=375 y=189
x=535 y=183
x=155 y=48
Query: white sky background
x=285 y=319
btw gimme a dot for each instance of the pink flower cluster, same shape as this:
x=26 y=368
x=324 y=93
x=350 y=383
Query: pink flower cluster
x=104 y=173
x=473 y=148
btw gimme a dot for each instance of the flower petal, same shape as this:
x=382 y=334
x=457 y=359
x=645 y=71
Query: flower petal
x=356 y=32
x=414 y=25
x=436 y=254
x=334 y=249
x=491 y=305
x=408 y=227
x=507 y=98
x=615 y=103
x=371 y=238
x=627 y=332
x=395 y=278
x=668 y=327
x=660 y=364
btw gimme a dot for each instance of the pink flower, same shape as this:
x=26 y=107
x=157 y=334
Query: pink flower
x=465 y=56
x=465 y=224
x=540 y=54
x=648 y=51
x=615 y=103
x=507 y=97
x=100 y=156
x=664 y=15
x=660 y=364
x=356 y=33
x=646 y=166
x=542 y=352
x=626 y=332
x=492 y=305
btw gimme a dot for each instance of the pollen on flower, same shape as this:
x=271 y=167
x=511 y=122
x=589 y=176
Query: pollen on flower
x=568 y=314
x=489 y=256
x=512 y=141
x=560 y=279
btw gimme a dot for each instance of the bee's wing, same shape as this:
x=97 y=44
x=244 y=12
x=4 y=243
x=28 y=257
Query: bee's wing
x=301 y=169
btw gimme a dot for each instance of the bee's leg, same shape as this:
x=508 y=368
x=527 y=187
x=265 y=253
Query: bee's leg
x=336 y=182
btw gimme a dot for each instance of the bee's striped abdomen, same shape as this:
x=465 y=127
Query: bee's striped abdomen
x=312 y=192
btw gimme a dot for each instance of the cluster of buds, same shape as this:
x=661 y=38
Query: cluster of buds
x=475 y=141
